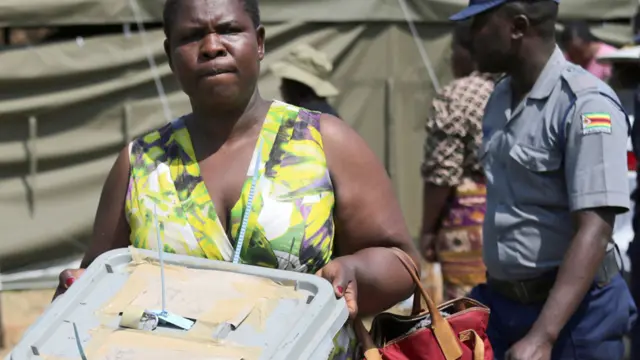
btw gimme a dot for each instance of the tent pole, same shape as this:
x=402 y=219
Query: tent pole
x=2 y=343
x=1 y=323
x=421 y=50
x=388 y=123
x=33 y=163
x=126 y=123
x=6 y=36
x=133 y=4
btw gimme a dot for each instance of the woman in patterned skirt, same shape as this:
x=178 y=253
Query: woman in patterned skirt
x=454 y=190
x=323 y=203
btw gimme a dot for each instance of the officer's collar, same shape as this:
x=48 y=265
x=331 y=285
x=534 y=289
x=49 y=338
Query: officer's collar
x=549 y=76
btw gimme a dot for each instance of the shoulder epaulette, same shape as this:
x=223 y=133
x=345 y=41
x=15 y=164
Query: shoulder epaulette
x=580 y=80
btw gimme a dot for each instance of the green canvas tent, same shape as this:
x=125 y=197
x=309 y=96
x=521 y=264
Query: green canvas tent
x=74 y=12
x=67 y=108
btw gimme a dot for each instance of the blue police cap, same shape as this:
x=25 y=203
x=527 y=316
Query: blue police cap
x=478 y=6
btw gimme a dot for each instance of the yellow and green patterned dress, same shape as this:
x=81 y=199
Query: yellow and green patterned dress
x=290 y=223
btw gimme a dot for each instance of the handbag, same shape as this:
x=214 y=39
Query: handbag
x=454 y=330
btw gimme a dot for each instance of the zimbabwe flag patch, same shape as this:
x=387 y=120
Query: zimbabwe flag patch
x=596 y=123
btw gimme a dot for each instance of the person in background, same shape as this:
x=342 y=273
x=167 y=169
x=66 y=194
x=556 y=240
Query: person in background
x=554 y=156
x=454 y=190
x=305 y=74
x=625 y=81
x=583 y=48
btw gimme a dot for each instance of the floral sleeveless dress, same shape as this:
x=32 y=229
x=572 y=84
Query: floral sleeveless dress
x=290 y=225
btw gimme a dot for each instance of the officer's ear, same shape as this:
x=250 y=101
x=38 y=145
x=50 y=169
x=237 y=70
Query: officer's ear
x=519 y=26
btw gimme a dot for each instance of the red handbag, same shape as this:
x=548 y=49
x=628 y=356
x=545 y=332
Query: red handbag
x=454 y=330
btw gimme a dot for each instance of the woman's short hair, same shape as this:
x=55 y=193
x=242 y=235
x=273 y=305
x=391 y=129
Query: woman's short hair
x=171 y=8
x=576 y=30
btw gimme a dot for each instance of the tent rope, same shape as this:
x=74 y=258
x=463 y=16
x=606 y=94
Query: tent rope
x=421 y=49
x=152 y=63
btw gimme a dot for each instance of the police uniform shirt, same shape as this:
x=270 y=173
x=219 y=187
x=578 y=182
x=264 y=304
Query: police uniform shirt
x=541 y=166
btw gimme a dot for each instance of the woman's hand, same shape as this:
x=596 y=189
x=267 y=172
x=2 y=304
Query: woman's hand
x=342 y=276
x=66 y=279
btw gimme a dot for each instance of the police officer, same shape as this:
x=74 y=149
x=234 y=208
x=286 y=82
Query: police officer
x=554 y=154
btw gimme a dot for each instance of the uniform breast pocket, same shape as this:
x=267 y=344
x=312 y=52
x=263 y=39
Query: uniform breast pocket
x=536 y=175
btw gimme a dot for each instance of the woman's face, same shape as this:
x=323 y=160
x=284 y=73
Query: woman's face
x=215 y=50
x=579 y=52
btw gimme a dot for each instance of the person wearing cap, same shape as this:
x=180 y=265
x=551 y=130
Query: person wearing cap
x=554 y=158
x=453 y=204
x=583 y=48
x=305 y=74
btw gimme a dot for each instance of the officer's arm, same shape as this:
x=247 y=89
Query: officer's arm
x=597 y=185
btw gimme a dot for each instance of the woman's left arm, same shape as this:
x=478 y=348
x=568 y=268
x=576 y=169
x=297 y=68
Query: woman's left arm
x=368 y=219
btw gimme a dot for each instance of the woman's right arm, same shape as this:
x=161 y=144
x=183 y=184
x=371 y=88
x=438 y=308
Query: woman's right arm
x=110 y=227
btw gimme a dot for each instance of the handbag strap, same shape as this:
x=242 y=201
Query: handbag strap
x=368 y=347
x=420 y=292
x=478 y=347
x=441 y=329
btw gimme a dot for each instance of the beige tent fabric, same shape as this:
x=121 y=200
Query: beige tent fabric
x=66 y=12
x=83 y=98
x=613 y=33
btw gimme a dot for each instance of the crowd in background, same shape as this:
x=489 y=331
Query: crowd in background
x=454 y=188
